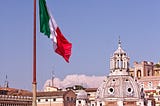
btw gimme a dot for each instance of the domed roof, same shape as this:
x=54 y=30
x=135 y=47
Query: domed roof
x=82 y=95
x=118 y=87
x=119 y=50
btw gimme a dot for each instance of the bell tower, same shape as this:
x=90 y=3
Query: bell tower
x=119 y=62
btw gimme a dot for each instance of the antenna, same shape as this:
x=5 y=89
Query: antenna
x=53 y=76
x=6 y=83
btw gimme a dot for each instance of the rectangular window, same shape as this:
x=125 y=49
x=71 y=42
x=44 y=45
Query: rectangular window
x=46 y=100
x=72 y=99
x=148 y=72
x=39 y=100
x=54 y=99
x=67 y=98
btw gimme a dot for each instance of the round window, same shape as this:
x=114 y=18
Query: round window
x=129 y=90
x=111 y=90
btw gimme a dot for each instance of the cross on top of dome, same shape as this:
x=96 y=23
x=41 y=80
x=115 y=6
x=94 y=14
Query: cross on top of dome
x=119 y=50
x=119 y=42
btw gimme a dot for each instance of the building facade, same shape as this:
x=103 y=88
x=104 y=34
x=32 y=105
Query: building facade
x=91 y=93
x=15 y=97
x=56 y=98
x=82 y=98
x=8 y=100
x=147 y=75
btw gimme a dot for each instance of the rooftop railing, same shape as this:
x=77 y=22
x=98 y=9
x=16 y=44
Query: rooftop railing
x=10 y=97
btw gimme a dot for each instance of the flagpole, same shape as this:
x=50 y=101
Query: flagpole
x=34 y=83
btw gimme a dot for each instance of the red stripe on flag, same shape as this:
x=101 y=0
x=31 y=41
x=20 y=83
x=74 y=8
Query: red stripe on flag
x=63 y=46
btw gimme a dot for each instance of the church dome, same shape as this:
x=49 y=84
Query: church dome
x=116 y=87
x=119 y=87
x=82 y=95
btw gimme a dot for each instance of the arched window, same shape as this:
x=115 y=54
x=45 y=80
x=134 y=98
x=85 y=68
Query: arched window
x=148 y=72
x=139 y=74
x=100 y=104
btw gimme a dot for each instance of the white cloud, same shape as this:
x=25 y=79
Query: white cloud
x=71 y=80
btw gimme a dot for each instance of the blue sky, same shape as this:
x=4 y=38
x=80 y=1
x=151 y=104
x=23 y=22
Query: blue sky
x=93 y=27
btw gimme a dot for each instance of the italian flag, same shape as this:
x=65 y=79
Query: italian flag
x=49 y=27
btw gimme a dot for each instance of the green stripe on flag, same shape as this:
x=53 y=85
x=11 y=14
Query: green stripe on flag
x=44 y=18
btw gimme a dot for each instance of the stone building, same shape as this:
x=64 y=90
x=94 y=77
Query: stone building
x=147 y=75
x=91 y=93
x=56 y=98
x=143 y=69
x=119 y=88
x=82 y=98
x=15 y=97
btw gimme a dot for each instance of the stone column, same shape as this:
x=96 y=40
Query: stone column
x=149 y=103
x=119 y=103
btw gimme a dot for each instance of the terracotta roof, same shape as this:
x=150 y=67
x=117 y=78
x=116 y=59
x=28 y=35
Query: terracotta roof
x=16 y=92
x=8 y=89
x=149 y=91
x=52 y=93
x=91 y=89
